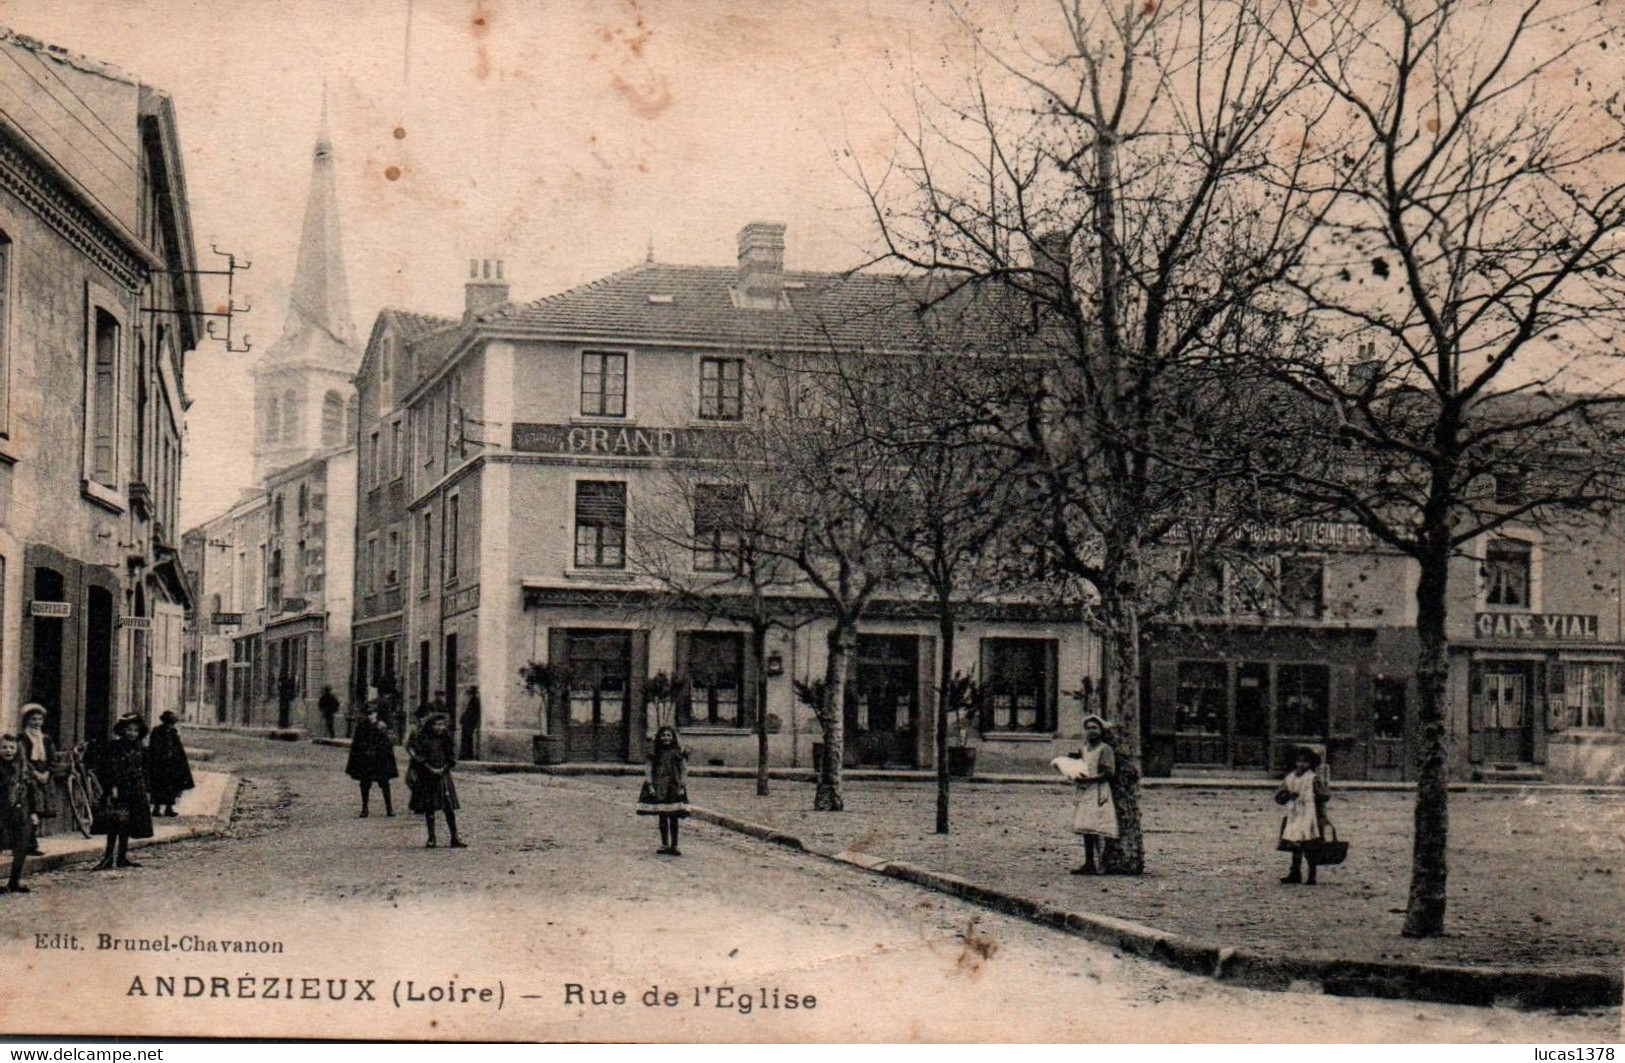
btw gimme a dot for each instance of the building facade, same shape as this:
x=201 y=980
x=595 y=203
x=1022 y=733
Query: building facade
x=272 y=628
x=98 y=309
x=532 y=435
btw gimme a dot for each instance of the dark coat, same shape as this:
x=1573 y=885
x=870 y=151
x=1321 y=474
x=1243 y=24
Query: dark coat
x=328 y=703
x=433 y=758
x=44 y=792
x=123 y=775
x=168 y=772
x=17 y=792
x=372 y=754
x=471 y=724
x=666 y=791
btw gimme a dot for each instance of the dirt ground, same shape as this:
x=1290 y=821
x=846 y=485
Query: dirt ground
x=1535 y=876
x=562 y=886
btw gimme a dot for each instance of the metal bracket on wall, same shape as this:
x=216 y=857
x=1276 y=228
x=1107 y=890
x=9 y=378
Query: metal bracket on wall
x=226 y=336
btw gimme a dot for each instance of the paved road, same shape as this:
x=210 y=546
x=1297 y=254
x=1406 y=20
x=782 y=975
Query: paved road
x=562 y=886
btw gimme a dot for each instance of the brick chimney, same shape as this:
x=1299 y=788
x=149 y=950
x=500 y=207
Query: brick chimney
x=486 y=289
x=761 y=265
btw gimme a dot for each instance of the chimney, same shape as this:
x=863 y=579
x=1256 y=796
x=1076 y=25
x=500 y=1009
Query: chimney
x=485 y=289
x=761 y=265
x=1052 y=253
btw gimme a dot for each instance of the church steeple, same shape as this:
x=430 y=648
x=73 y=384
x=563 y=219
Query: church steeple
x=305 y=374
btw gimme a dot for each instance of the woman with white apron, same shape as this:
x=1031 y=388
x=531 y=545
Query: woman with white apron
x=1094 y=814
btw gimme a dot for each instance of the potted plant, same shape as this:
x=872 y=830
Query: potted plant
x=962 y=698
x=661 y=694
x=552 y=682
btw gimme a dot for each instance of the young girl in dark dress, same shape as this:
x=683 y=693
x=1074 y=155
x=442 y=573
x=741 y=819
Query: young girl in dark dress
x=40 y=753
x=169 y=774
x=372 y=759
x=18 y=819
x=665 y=793
x=434 y=754
x=126 y=806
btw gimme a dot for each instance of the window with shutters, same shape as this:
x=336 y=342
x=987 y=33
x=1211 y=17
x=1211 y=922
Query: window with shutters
x=392 y=559
x=603 y=384
x=600 y=524
x=722 y=388
x=451 y=534
x=719 y=514
x=425 y=556
x=1018 y=685
x=716 y=679
x=103 y=413
x=1506 y=574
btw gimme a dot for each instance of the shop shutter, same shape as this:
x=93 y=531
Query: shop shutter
x=558 y=652
x=638 y=718
x=601 y=502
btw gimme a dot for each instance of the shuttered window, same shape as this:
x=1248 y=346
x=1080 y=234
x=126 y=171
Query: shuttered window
x=600 y=524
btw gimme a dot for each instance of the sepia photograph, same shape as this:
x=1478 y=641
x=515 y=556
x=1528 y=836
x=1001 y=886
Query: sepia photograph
x=822 y=521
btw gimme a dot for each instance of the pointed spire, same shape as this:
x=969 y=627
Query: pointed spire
x=321 y=293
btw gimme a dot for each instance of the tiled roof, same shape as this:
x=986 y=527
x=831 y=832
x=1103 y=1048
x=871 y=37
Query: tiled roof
x=696 y=304
x=411 y=325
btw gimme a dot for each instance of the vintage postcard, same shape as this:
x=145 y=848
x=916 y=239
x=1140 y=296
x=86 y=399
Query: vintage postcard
x=821 y=521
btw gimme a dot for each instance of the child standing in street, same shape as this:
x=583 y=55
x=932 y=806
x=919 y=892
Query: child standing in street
x=1304 y=793
x=1094 y=814
x=665 y=791
x=434 y=754
x=18 y=820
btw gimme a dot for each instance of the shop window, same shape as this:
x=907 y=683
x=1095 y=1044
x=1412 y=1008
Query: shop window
x=1304 y=708
x=1388 y=708
x=1199 y=706
x=603 y=384
x=600 y=524
x=716 y=678
x=722 y=388
x=1018 y=685
x=719 y=512
x=1506 y=574
x=1302 y=586
x=1590 y=691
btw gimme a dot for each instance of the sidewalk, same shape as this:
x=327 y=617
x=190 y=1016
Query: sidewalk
x=202 y=811
x=1535 y=914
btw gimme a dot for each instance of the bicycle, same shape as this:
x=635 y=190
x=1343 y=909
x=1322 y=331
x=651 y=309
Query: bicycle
x=84 y=791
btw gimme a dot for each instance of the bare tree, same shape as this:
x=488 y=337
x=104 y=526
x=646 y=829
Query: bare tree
x=1467 y=282
x=1119 y=182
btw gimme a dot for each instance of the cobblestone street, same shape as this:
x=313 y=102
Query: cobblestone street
x=1534 y=876
x=562 y=885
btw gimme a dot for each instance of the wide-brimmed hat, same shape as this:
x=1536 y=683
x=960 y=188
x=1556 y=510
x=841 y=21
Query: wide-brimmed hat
x=1105 y=727
x=33 y=708
x=129 y=718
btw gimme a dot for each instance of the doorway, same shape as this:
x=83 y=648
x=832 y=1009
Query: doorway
x=1250 y=747
x=883 y=712
x=600 y=695
x=45 y=673
x=98 y=663
x=1388 y=713
x=1503 y=711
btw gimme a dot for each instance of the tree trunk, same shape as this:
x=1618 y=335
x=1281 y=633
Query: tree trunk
x=1424 y=912
x=841 y=640
x=1124 y=855
x=758 y=647
x=945 y=680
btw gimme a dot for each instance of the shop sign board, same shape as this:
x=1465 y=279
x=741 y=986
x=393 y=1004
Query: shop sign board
x=1552 y=627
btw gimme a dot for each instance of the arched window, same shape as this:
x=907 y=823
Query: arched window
x=332 y=419
x=352 y=414
x=272 y=415
x=290 y=416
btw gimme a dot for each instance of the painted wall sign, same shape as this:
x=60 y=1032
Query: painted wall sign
x=1315 y=534
x=1550 y=626
x=59 y=610
x=226 y=619
x=615 y=441
x=136 y=623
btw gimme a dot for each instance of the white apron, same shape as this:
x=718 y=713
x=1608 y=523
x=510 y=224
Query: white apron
x=1302 y=823
x=1093 y=811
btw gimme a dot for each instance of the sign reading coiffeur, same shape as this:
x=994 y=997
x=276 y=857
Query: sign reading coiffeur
x=1549 y=626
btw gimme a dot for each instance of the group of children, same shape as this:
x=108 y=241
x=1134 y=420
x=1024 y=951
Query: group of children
x=141 y=778
x=432 y=754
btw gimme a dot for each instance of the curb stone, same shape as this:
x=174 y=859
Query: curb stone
x=206 y=827
x=1390 y=979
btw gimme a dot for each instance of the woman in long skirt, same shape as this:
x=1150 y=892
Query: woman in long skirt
x=372 y=759
x=434 y=755
x=1304 y=793
x=1094 y=813
x=169 y=774
x=126 y=811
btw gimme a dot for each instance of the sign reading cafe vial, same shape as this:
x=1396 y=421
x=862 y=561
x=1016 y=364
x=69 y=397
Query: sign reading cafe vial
x=617 y=441
x=1549 y=626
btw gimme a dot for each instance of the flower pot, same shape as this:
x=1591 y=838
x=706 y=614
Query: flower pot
x=547 y=749
x=961 y=761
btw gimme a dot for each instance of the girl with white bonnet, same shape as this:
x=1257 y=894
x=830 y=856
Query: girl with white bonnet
x=40 y=754
x=1094 y=814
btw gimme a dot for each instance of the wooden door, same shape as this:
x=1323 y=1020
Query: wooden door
x=600 y=698
x=1506 y=712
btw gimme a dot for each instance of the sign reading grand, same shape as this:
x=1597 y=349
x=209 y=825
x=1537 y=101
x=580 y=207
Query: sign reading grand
x=1549 y=626
x=617 y=441
x=1314 y=534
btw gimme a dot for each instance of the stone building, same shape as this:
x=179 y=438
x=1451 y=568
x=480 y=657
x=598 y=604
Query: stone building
x=274 y=572
x=530 y=435
x=98 y=309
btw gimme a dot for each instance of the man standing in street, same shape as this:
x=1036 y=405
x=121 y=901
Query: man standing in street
x=471 y=726
x=284 y=700
x=328 y=703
